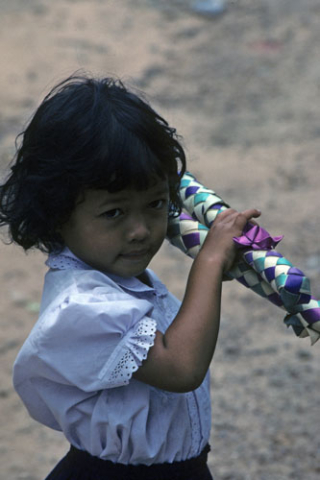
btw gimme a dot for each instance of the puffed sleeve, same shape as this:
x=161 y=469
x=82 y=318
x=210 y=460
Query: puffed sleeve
x=94 y=343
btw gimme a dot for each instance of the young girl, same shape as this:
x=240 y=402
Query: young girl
x=115 y=362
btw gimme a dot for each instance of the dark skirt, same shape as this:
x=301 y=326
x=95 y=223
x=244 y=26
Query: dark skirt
x=80 y=465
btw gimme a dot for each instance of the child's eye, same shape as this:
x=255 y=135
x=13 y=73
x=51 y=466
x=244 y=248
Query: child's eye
x=114 y=213
x=158 y=204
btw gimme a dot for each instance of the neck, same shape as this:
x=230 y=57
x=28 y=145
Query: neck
x=144 y=278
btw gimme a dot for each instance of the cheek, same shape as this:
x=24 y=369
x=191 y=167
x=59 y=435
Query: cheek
x=161 y=228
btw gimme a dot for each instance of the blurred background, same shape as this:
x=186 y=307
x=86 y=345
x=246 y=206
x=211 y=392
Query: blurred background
x=241 y=85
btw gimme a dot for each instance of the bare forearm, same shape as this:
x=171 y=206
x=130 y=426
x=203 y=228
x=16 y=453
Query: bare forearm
x=193 y=334
x=181 y=357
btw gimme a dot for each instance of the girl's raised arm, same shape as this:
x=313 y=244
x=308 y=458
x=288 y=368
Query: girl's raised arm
x=180 y=358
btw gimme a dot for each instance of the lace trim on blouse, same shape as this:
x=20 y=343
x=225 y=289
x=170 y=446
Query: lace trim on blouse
x=135 y=347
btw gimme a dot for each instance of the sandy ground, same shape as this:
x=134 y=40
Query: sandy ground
x=242 y=89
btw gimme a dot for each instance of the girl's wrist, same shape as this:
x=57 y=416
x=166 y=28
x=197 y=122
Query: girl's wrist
x=213 y=262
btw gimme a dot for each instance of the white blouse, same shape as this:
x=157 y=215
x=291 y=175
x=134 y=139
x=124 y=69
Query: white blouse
x=74 y=371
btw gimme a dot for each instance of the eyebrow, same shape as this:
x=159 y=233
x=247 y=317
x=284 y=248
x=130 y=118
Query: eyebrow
x=163 y=190
x=111 y=201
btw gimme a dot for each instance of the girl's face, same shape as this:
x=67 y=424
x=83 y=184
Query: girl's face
x=118 y=233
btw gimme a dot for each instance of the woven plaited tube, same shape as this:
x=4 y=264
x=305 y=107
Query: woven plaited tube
x=266 y=272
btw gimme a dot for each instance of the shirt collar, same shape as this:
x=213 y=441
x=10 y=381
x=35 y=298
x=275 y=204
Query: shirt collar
x=67 y=259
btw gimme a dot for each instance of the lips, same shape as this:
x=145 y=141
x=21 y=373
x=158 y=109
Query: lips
x=135 y=254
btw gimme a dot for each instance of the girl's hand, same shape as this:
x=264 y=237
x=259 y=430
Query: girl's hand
x=219 y=243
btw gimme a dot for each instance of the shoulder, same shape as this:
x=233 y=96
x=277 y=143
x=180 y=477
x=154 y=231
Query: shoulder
x=62 y=285
x=88 y=301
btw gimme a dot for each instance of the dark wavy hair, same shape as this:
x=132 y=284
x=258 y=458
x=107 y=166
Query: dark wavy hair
x=87 y=133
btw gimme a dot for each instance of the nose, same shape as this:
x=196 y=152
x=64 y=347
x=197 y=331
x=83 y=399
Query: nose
x=138 y=228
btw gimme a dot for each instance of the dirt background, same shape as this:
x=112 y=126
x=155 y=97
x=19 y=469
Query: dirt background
x=243 y=91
